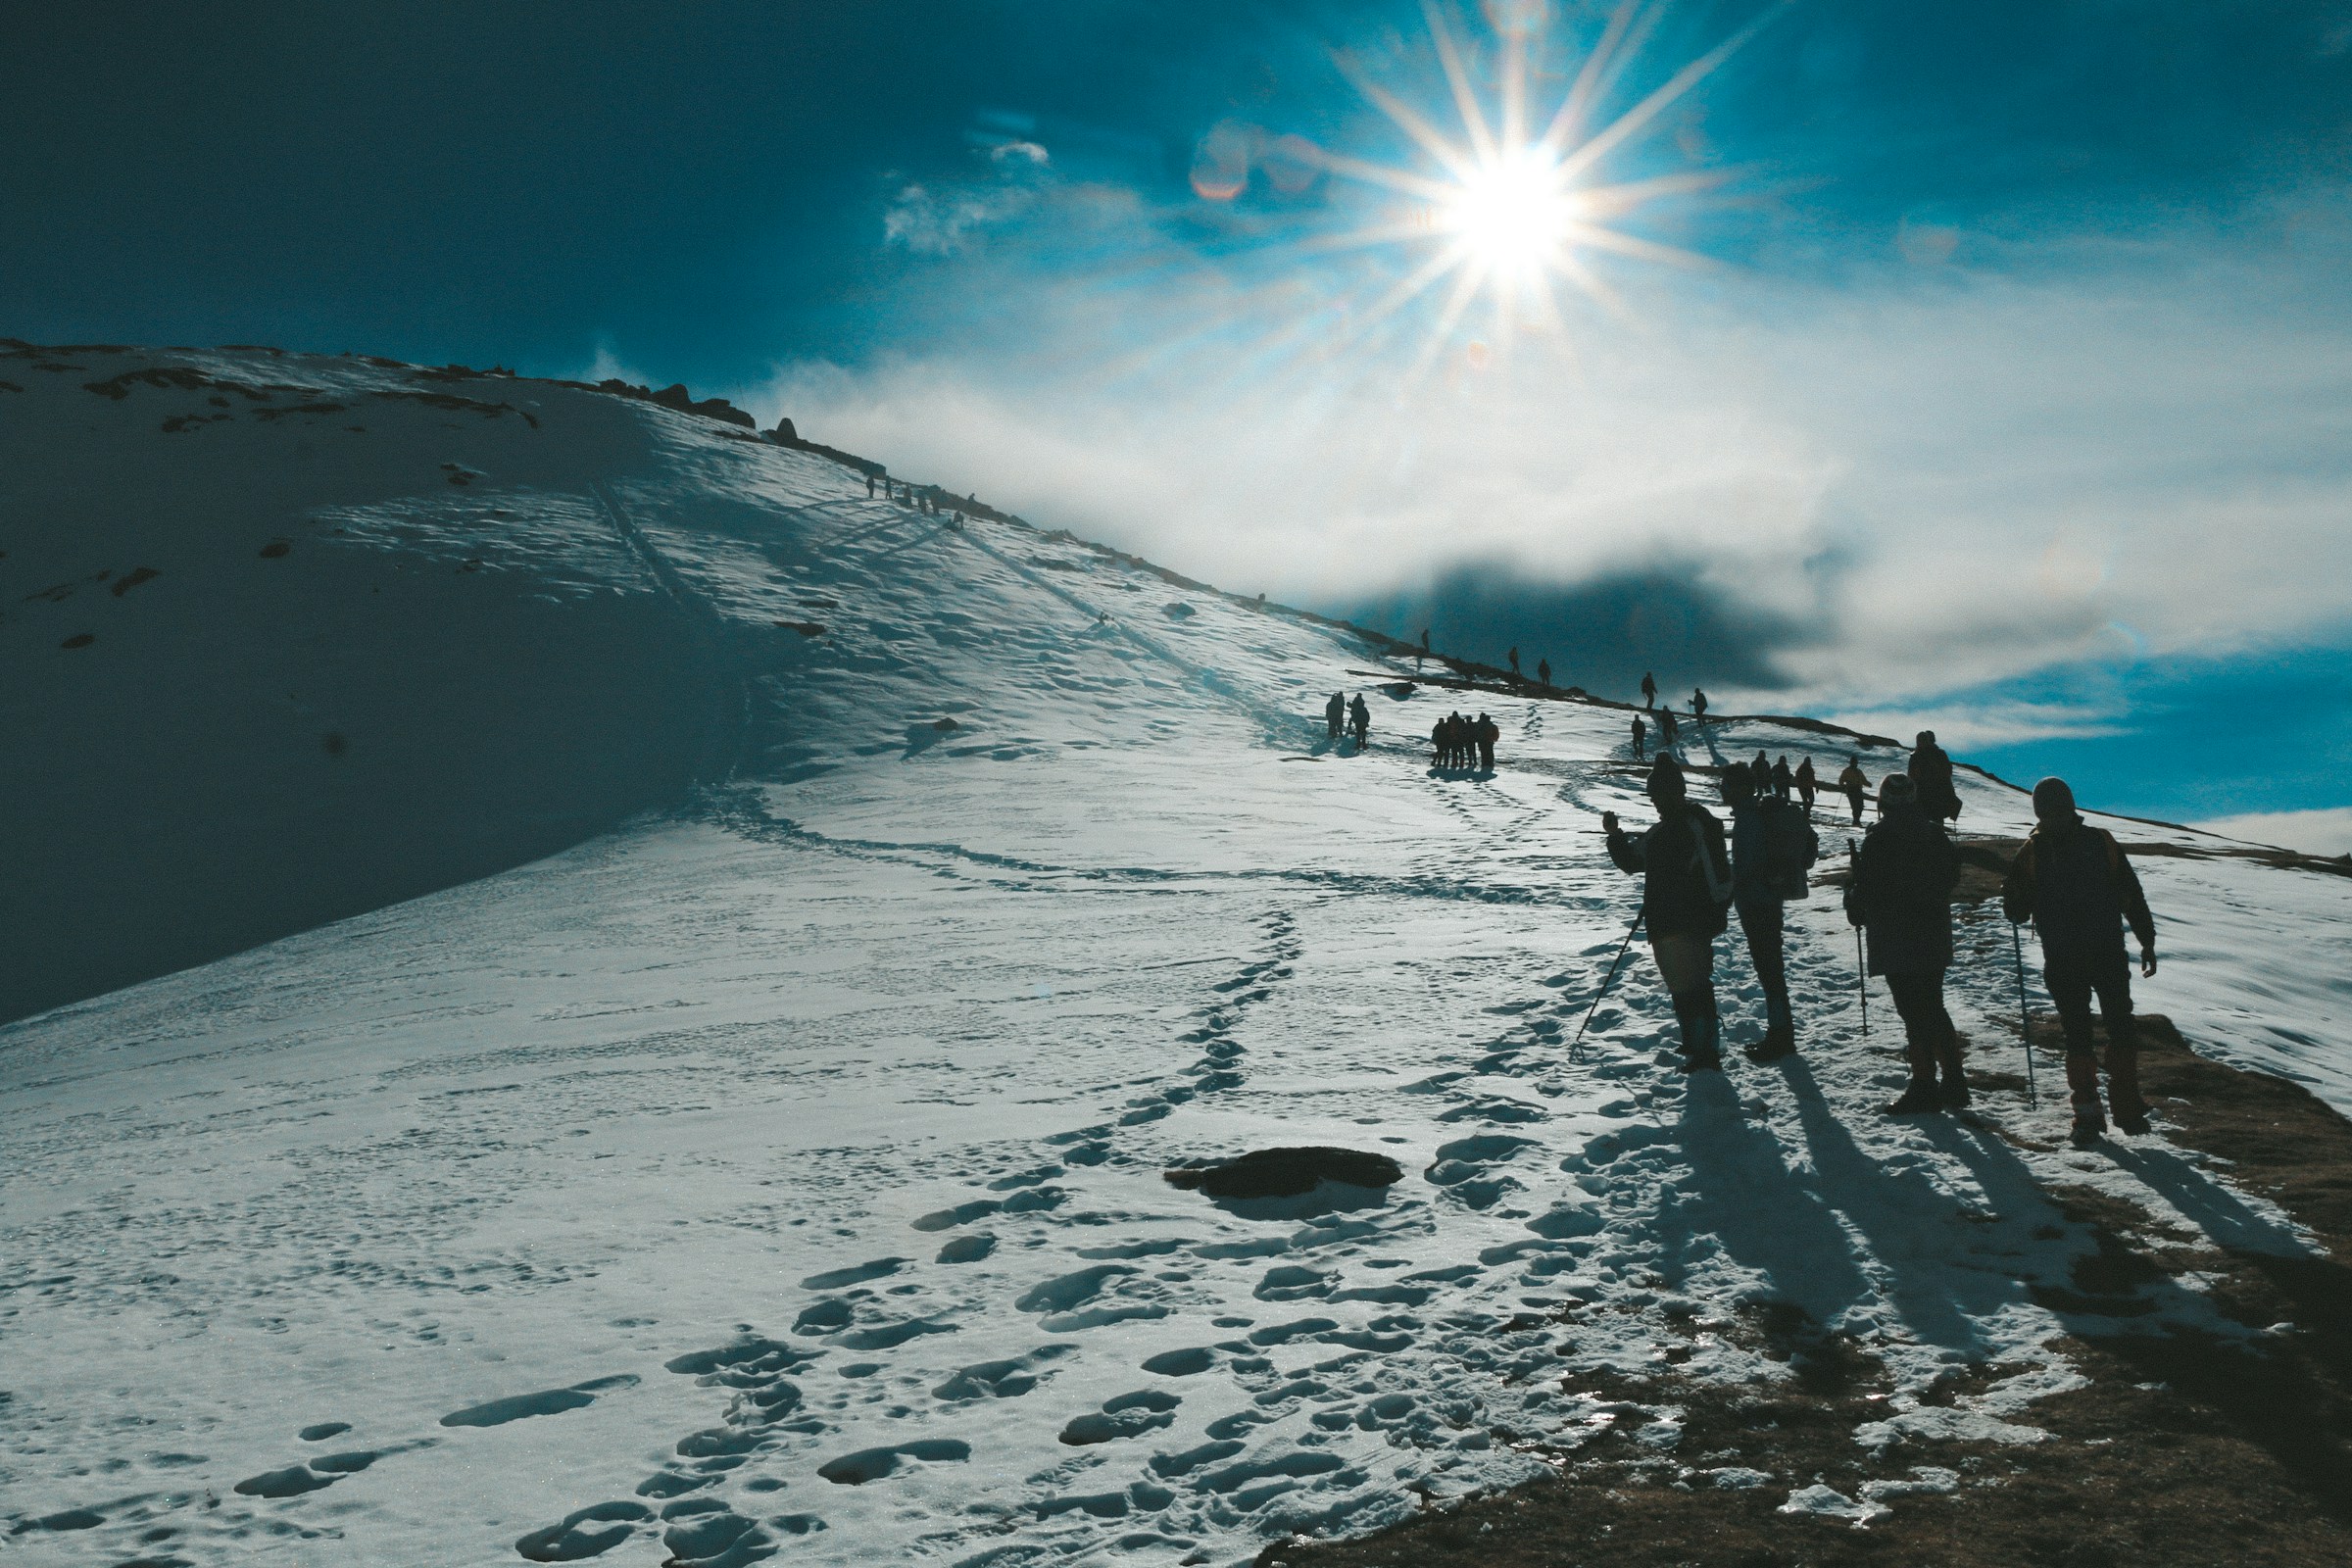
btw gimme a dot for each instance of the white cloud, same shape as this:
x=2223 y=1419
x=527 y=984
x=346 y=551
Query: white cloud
x=939 y=217
x=2327 y=831
x=1950 y=480
x=1974 y=727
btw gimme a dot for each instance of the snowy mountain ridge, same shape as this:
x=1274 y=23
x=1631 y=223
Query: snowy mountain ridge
x=832 y=923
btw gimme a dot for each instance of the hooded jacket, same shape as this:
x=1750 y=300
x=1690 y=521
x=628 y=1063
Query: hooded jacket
x=1902 y=892
x=1685 y=871
x=1930 y=770
x=2076 y=886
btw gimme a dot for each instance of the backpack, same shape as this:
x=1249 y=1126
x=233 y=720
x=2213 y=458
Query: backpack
x=1791 y=847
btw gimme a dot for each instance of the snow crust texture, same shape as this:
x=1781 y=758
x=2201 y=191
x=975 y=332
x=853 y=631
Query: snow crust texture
x=778 y=1173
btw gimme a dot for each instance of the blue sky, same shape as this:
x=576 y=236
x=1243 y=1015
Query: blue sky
x=2014 y=393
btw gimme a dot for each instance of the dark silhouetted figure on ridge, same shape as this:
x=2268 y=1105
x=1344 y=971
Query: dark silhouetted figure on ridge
x=1669 y=730
x=2072 y=881
x=1782 y=780
x=1698 y=704
x=1808 y=784
x=1641 y=733
x=1513 y=656
x=1901 y=896
x=1650 y=690
x=1543 y=671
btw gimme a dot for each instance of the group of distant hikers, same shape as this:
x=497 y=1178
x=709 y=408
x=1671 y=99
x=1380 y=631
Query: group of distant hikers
x=2072 y=881
x=1355 y=717
x=1459 y=742
x=927 y=499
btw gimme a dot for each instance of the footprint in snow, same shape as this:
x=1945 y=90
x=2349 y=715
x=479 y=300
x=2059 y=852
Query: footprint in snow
x=872 y=1464
x=1001 y=1380
x=1128 y=1415
x=548 y=1401
x=318 y=1474
x=863 y=1272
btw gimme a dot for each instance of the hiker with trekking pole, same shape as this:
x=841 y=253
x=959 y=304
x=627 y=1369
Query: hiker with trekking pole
x=2073 y=882
x=1686 y=894
x=1773 y=847
x=1901 y=897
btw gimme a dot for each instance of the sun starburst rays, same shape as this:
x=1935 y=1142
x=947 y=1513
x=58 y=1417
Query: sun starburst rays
x=1510 y=212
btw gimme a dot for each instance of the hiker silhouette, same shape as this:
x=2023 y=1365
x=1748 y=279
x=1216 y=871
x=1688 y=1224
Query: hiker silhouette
x=1856 y=785
x=1770 y=855
x=1930 y=770
x=2076 y=886
x=1686 y=888
x=1901 y=895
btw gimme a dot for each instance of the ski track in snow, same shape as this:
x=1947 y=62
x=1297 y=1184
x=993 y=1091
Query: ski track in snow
x=781 y=1175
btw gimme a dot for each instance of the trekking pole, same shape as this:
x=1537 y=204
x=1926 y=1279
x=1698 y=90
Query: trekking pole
x=2024 y=1036
x=1861 y=964
x=1608 y=981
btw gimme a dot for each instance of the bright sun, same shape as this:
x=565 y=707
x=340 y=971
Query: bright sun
x=1513 y=213
x=1519 y=203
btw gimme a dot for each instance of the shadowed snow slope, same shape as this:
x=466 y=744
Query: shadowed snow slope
x=779 y=1170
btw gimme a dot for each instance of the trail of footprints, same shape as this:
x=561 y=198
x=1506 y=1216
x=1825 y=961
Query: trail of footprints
x=1132 y=1456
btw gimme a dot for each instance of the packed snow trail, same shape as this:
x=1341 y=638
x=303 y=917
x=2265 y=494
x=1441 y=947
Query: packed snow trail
x=780 y=1174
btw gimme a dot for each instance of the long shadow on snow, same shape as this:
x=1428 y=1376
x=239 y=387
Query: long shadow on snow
x=1743 y=1195
x=1910 y=1226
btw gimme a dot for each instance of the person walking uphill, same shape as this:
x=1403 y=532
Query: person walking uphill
x=1686 y=886
x=1335 y=714
x=1901 y=897
x=1772 y=848
x=1650 y=690
x=2072 y=881
x=1360 y=717
x=1930 y=770
x=1856 y=785
x=1641 y=733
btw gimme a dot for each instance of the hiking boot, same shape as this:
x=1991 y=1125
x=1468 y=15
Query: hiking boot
x=1954 y=1089
x=1779 y=1033
x=1921 y=1098
x=2132 y=1119
x=1702 y=1050
x=2089 y=1130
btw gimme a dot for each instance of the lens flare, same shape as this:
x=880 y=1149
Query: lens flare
x=1514 y=209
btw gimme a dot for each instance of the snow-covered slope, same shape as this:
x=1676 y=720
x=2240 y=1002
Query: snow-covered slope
x=778 y=1172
